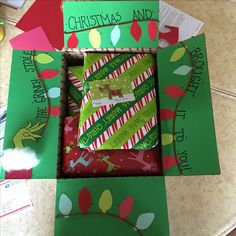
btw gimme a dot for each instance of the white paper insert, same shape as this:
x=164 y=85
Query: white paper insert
x=188 y=25
x=14 y=197
x=13 y=3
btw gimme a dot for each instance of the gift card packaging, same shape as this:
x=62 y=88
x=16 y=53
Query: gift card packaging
x=123 y=107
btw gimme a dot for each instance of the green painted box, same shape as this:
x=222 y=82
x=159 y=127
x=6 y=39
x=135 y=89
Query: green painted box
x=33 y=116
x=113 y=205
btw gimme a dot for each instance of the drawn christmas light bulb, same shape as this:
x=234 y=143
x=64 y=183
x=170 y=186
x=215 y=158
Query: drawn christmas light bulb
x=136 y=30
x=115 y=35
x=95 y=38
x=105 y=202
x=152 y=30
x=65 y=205
x=43 y=58
x=145 y=220
x=73 y=41
x=177 y=54
x=126 y=207
x=85 y=200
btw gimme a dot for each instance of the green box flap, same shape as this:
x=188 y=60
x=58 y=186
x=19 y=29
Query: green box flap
x=111 y=206
x=187 y=125
x=32 y=124
x=111 y=24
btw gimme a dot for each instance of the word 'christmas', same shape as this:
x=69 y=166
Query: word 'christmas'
x=83 y=22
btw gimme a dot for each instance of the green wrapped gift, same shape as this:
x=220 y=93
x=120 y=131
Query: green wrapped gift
x=118 y=109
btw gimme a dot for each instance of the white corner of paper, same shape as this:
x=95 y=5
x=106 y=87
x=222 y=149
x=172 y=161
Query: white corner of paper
x=188 y=25
x=14 y=197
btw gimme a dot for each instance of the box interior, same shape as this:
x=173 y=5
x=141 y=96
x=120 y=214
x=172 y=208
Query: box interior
x=75 y=57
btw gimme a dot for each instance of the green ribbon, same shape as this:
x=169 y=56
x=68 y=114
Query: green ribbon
x=150 y=139
x=74 y=93
x=137 y=121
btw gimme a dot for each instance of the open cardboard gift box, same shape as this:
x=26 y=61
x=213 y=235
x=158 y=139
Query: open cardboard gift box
x=128 y=205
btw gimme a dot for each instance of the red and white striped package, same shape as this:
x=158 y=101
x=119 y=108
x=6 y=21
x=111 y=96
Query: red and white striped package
x=125 y=125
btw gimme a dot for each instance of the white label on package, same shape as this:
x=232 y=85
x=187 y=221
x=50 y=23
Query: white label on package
x=14 y=197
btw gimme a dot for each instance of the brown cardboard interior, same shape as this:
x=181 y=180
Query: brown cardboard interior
x=75 y=57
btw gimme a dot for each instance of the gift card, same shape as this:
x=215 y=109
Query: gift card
x=111 y=91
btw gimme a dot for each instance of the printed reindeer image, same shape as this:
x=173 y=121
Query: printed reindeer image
x=110 y=166
x=82 y=160
x=111 y=92
x=139 y=157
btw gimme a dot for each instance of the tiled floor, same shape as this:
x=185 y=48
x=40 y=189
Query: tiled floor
x=203 y=205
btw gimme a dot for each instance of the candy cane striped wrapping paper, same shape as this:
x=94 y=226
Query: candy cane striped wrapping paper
x=75 y=88
x=127 y=125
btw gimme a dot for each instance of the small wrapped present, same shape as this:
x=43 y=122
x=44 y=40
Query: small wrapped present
x=118 y=109
x=77 y=161
x=75 y=88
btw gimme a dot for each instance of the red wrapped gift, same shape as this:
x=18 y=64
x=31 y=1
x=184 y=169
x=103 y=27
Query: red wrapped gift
x=77 y=161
